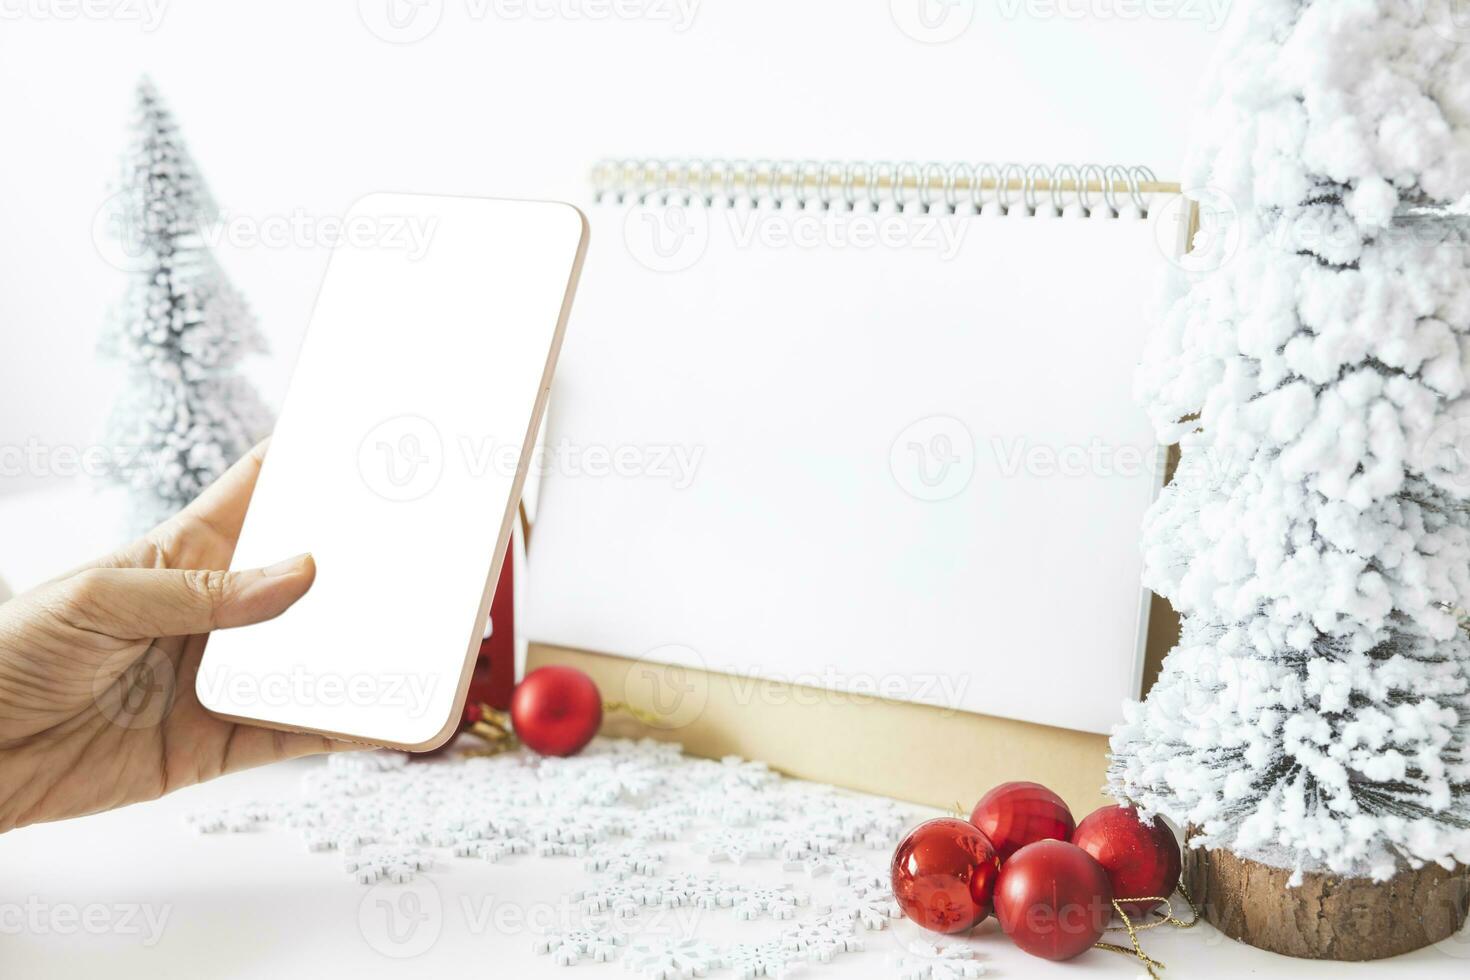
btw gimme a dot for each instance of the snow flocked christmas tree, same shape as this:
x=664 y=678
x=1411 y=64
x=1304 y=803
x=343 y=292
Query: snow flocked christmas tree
x=1312 y=722
x=186 y=413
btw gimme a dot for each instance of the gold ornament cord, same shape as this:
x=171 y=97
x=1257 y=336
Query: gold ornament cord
x=1152 y=966
x=495 y=729
x=648 y=718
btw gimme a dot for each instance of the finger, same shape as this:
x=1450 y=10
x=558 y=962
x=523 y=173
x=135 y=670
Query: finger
x=221 y=507
x=143 y=603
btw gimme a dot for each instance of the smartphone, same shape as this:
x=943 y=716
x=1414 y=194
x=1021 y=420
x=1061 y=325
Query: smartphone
x=397 y=462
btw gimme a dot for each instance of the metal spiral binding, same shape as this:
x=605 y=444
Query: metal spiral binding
x=931 y=186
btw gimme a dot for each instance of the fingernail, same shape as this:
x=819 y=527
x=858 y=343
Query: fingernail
x=288 y=566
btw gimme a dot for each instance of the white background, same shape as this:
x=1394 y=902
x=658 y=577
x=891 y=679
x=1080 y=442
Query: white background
x=296 y=109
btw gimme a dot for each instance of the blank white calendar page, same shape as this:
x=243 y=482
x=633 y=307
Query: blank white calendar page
x=876 y=453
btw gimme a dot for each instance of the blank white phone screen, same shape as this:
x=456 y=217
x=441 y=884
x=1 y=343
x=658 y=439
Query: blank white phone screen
x=397 y=462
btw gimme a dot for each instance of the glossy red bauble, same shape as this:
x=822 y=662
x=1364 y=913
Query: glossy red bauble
x=1141 y=859
x=1016 y=814
x=556 y=710
x=944 y=875
x=1053 y=900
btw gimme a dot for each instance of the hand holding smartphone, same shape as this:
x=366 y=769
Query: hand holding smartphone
x=398 y=463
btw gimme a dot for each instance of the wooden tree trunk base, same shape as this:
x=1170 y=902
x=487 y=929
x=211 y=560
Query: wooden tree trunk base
x=1326 y=917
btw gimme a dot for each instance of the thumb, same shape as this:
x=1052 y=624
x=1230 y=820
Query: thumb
x=142 y=603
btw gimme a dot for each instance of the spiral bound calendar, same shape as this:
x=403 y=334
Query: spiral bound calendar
x=861 y=428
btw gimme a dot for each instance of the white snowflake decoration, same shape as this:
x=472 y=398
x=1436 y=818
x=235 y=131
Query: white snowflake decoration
x=875 y=823
x=927 y=961
x=339 y=782
x=667 y=822
x=816 y=865
x=624 y=860
x=860 y=876
x=737 y=772
x=597 y=942
x=231 y=819
x=822 y=937
x=769 y=959
x=798 y=843
x=572 y=832
x=705 y=891
x=872 y=908
x=663 y=958
x=775 y=901
x=386 y=863
x=602 y=780
x=735 y=845
x=733 y=774
x=348 y=840
x=739 y=806
x=391 y=819
x=648 y=750
x=622 y=899
x=492 y=848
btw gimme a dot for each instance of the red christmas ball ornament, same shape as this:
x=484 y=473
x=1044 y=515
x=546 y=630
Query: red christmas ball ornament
x=1016 y=814
x=1141 y=859
x=944 y=875
x=1053 y=900
x=556 y=710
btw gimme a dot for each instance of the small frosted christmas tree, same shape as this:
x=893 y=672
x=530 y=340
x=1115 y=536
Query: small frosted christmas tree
x=181 y=332
x=1314 y=716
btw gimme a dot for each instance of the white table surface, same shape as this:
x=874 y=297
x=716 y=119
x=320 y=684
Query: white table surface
x=258 y=905
x=76 y=897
